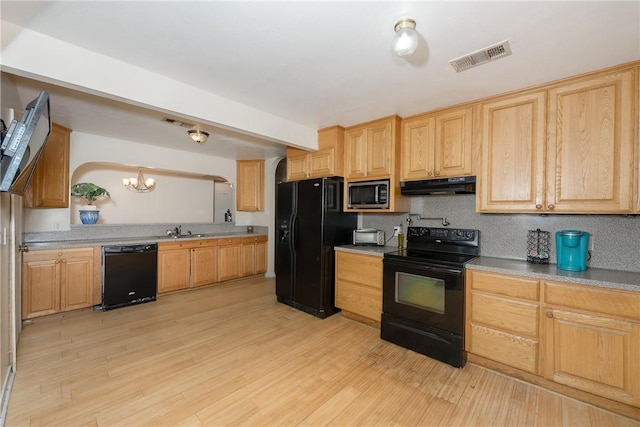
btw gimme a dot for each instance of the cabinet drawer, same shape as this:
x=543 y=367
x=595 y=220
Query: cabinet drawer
x=230 y=241
x=518 y=352
x=512 y=286
x=509 y=315
x=362 y=269
x=254 y=239
x=53 y=254
x=363 y=300
x=588 y=298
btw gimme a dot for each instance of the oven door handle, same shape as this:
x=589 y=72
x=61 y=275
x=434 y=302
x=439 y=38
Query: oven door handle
x=393 y=262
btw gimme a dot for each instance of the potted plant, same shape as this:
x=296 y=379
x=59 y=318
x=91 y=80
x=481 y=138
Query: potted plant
x=90 y=192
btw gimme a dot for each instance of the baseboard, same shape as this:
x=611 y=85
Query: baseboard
x=6 y=394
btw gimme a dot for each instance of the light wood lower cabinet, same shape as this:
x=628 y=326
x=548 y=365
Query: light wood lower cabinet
x=593 y=340
x=57 y=280
x=503 y=318
x=186 y=264
x=359 y=284
x=577 y=339
x=229 y=258
x=254 y=255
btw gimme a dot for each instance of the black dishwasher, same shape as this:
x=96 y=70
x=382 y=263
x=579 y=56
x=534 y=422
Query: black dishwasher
x=129 y=275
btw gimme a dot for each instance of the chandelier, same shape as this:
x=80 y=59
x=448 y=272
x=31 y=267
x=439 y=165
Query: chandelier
x=139 y=184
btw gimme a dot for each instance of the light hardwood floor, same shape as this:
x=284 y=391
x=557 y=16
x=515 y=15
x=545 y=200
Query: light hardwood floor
x=231 y=355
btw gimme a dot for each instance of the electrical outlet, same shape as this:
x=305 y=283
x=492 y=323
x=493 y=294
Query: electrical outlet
x=396 y=230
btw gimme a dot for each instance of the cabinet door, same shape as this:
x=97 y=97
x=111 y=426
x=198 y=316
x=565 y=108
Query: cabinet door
x=173 y=269
x=229 y=260
x=297 y=164
x=591 y=145
x=355 y=141
x=261 y=257
x=513 y=154
x=40 y=287
x=322 y=163
x=248 y=258
x=417 y=148
x=595 y=354
x=49 y=187
x=250 y=185
x=453 y=143
x=359 y=284
x=204 y=265
x=76 y=283
x=379 y=149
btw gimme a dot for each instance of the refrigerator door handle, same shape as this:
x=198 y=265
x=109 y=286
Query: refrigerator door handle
x=293 y=244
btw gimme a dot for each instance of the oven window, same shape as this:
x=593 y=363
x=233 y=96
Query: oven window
x=420 y=291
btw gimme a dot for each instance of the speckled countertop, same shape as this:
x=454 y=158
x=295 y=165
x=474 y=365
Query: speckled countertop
x=366 y=249
x=601 y=277
x=66 y=244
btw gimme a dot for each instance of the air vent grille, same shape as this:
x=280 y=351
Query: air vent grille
x=481 y=56
x=178 y=123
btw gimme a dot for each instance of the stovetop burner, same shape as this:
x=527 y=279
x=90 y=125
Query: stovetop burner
x=448 y=246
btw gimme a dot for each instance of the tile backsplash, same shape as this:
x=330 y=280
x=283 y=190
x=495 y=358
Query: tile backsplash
x=615 y=238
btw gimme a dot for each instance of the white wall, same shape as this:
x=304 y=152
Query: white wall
x=178 y=196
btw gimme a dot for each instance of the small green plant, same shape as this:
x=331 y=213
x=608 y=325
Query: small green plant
x=88 y=191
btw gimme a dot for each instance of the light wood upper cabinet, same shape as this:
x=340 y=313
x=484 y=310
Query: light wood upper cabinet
x=437 y=145
x=370 y=149
x=326 y=161
x=592 y=340
x=49 y=187
x=591 y=144
x=250 y=185
x=57 y=280
x=513 y=149
x=585 y=164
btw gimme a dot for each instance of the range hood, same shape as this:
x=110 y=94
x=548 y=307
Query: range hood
x=457 y=185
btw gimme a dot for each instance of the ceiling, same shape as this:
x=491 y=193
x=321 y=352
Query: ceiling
x=316 y=64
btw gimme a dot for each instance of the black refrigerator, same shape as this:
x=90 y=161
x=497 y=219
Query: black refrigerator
x=310 y=222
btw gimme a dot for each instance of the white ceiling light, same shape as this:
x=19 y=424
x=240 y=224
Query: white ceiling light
x=406 y=39
x=198 y=135
x=139 y=184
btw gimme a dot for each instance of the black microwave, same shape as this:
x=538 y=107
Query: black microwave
x=368 y=195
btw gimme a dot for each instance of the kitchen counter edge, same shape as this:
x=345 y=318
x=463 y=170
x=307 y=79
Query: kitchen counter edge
x=68 y=244
x=366 y=249
x=604 y=278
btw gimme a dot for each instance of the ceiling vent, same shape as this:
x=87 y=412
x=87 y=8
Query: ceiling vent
x=178 y=123
x=481 y=56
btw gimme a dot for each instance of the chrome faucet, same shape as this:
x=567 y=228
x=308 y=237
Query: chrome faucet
x=176 y=232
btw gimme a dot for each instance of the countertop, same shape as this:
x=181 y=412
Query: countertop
x=613 y=279
x=366 y=249
x=601 y=277
x=66 y=244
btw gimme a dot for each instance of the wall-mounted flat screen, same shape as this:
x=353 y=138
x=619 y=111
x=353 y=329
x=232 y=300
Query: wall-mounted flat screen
x=23 y=144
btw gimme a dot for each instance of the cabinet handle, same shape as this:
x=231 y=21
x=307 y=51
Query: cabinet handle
x=59 y=253
x=57 y=261
x=538 y=206
x=23 y=248
x=63 y=261
x=551 y=207
x=437 y=173
x=549 y=314
x=429 y=173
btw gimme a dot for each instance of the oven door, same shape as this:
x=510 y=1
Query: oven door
x=427 y=295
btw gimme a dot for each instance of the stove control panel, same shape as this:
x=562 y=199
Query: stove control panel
x=443 y=235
